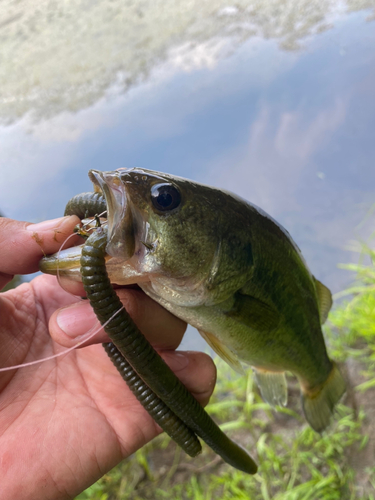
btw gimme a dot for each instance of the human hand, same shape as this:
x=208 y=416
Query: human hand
x=66 y=422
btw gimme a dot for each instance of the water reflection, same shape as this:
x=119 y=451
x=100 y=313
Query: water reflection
x=57 y=57
x=205 y=92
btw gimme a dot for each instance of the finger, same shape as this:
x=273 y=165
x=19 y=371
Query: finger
x=196 y=371
x=71 y=324
x=72 y=287
x=22 y=244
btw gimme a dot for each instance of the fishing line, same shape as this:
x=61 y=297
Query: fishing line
x=48 y=358
x=86 y=229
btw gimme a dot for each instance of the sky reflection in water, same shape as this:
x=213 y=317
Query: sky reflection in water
x=291 y=131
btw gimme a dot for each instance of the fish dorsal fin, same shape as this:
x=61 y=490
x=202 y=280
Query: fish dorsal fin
x=221 y=350
x=273 y=386
x=324 y=299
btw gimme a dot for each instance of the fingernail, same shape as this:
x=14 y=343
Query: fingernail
x=175 y=360
x=45 y=225
x=77 y=320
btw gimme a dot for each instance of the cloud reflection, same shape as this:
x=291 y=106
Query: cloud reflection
x=266 y=170
x=68 y=56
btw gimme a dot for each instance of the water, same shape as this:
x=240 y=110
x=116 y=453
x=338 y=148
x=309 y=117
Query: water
x=275 y=102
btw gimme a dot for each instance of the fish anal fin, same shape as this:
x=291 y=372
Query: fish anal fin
x=324 y=300
x=318 y=404
x=221 y=350
x=272 y=386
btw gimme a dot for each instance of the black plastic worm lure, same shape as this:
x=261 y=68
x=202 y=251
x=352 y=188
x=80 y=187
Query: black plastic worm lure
x=155 y=385
x=86 y=205
x=162 y=415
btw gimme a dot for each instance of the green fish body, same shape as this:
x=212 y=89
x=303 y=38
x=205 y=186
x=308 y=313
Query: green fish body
x=227 y=268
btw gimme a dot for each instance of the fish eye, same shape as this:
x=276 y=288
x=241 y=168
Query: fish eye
x=165 y=197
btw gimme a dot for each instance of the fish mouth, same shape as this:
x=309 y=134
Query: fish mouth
x=120 y=220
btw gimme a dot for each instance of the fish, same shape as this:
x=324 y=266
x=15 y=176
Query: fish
x=227 y=268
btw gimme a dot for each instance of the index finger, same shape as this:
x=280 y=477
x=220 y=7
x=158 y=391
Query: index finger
x=23 y=244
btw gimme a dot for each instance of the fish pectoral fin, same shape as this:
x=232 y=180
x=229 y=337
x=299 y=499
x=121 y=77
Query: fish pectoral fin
x=324 y=300
x=221 y=350
x=318 y=404
x=253 y=313
x=273 y=386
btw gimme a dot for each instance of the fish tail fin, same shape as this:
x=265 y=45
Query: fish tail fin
x=318 y=405
x=273 y=386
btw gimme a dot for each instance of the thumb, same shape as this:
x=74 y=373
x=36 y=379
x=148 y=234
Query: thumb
x=22 y=244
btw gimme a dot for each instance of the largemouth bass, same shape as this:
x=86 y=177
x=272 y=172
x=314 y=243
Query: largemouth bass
x=225 y=267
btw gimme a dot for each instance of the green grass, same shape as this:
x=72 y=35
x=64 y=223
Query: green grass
x=295 y=463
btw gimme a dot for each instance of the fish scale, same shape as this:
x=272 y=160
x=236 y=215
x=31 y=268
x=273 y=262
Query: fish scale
x=226 y=267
